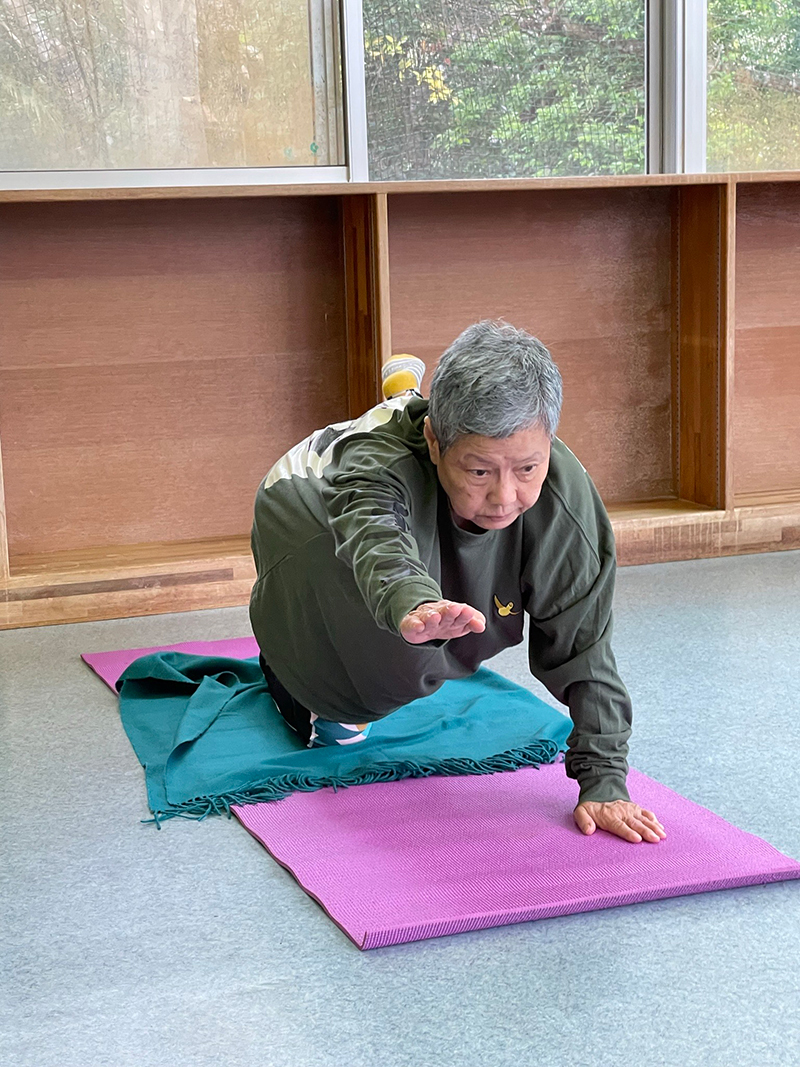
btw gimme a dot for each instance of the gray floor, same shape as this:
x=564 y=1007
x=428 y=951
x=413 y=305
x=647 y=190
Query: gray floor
x=128 y=946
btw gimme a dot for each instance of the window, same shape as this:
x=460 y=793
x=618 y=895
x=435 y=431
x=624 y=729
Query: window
x=504 y=88
x=753 y=85
x=453 y=89
x=122 y=84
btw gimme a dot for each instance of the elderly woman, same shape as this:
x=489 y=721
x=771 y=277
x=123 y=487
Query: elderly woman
x=405 y=548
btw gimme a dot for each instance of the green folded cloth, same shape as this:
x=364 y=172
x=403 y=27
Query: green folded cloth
x=209 y=735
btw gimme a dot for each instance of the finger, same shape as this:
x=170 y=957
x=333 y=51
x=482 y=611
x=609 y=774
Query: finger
x=647 y=833
x=651 y=817
x=458 y=614
x=467 y=616
x=621 y=829
x=584 y=821
x=413 y=638
x=415 y=629
x=411 y=626
x=651 y=822
x=455 y=609
x=471 y=617
x=459 y=623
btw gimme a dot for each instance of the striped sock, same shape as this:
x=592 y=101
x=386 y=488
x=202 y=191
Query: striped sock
x=402 y=373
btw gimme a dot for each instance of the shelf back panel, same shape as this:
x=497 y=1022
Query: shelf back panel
x=766 y=421
x=586 y=271
x=156 y=358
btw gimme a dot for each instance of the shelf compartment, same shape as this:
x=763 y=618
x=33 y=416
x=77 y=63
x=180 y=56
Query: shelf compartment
x=623 y=285
x=766 y=434
x=157 y=358
x=123 y=581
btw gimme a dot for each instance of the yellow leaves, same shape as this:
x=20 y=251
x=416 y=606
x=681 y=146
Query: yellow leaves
x=386 y=45
x=434 y=79
x=398 y=49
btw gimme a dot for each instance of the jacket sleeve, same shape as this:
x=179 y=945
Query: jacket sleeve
x=570 y=650
x=368 y=501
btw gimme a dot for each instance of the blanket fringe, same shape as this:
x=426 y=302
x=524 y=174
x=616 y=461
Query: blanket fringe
x=533 y=755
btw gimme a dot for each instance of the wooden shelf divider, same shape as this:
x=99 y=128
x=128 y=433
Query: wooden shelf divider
x=701 y=310
x=684 y=532
x=110 y=583
x=366 y=295
x=4 y=566
x=383 y=303
x=728 y=335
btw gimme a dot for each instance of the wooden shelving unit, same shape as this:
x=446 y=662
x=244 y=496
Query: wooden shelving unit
x=159 y=349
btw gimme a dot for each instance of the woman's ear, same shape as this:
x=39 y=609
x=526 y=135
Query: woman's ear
x=433 y=444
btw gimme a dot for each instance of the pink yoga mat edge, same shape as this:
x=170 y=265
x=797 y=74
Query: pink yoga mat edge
x=289 y=835
x=358 y=940
x=383 y=938
x=108 y=666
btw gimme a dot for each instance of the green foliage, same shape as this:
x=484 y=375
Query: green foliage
x=57 y=65
x=532 y=88
x=540 y=87
x=753 y=85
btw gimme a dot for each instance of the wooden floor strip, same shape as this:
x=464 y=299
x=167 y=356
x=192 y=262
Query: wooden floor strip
x=113 y=585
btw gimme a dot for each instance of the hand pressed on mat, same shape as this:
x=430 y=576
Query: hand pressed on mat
x=441 y=620
x=620 y=817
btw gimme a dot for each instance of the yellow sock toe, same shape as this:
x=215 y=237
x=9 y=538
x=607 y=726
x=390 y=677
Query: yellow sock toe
x=398 y=382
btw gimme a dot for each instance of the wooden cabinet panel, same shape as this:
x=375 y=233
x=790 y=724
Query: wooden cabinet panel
x=156 y=358
x=766 y=423
x=589 y=273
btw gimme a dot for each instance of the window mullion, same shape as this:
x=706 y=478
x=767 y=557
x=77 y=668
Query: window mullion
x=355 y=92
x=677 y=86
x=695 y=66
x=654 y=81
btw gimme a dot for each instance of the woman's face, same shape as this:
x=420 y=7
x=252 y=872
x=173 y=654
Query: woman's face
x=491 y=481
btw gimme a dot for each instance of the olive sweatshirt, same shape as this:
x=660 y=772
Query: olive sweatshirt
x=352 y=531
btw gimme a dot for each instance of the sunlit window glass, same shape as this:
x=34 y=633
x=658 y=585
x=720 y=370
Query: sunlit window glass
x=504 y=88
x=126 y=84
x=753 y=85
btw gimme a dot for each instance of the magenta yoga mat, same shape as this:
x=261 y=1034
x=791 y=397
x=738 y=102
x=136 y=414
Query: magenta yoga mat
x=401 y=861
x=110 y=665
x=393 y=862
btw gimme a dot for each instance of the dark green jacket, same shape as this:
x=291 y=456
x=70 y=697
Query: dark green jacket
x=352 y=531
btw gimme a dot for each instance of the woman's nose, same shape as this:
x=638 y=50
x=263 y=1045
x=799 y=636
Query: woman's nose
x=504 y=492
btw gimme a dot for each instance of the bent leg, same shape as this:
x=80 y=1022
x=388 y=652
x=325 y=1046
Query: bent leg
x=314 y=731
x=324 y=732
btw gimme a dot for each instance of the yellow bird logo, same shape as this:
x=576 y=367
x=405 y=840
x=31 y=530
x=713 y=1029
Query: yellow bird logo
x=504 y=610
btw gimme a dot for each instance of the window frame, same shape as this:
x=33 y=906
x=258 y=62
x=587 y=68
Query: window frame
x=676 y=35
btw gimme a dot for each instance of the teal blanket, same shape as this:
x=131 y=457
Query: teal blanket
x=208 y=735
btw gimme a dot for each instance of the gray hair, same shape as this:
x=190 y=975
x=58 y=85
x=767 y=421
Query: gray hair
x=494 y=380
